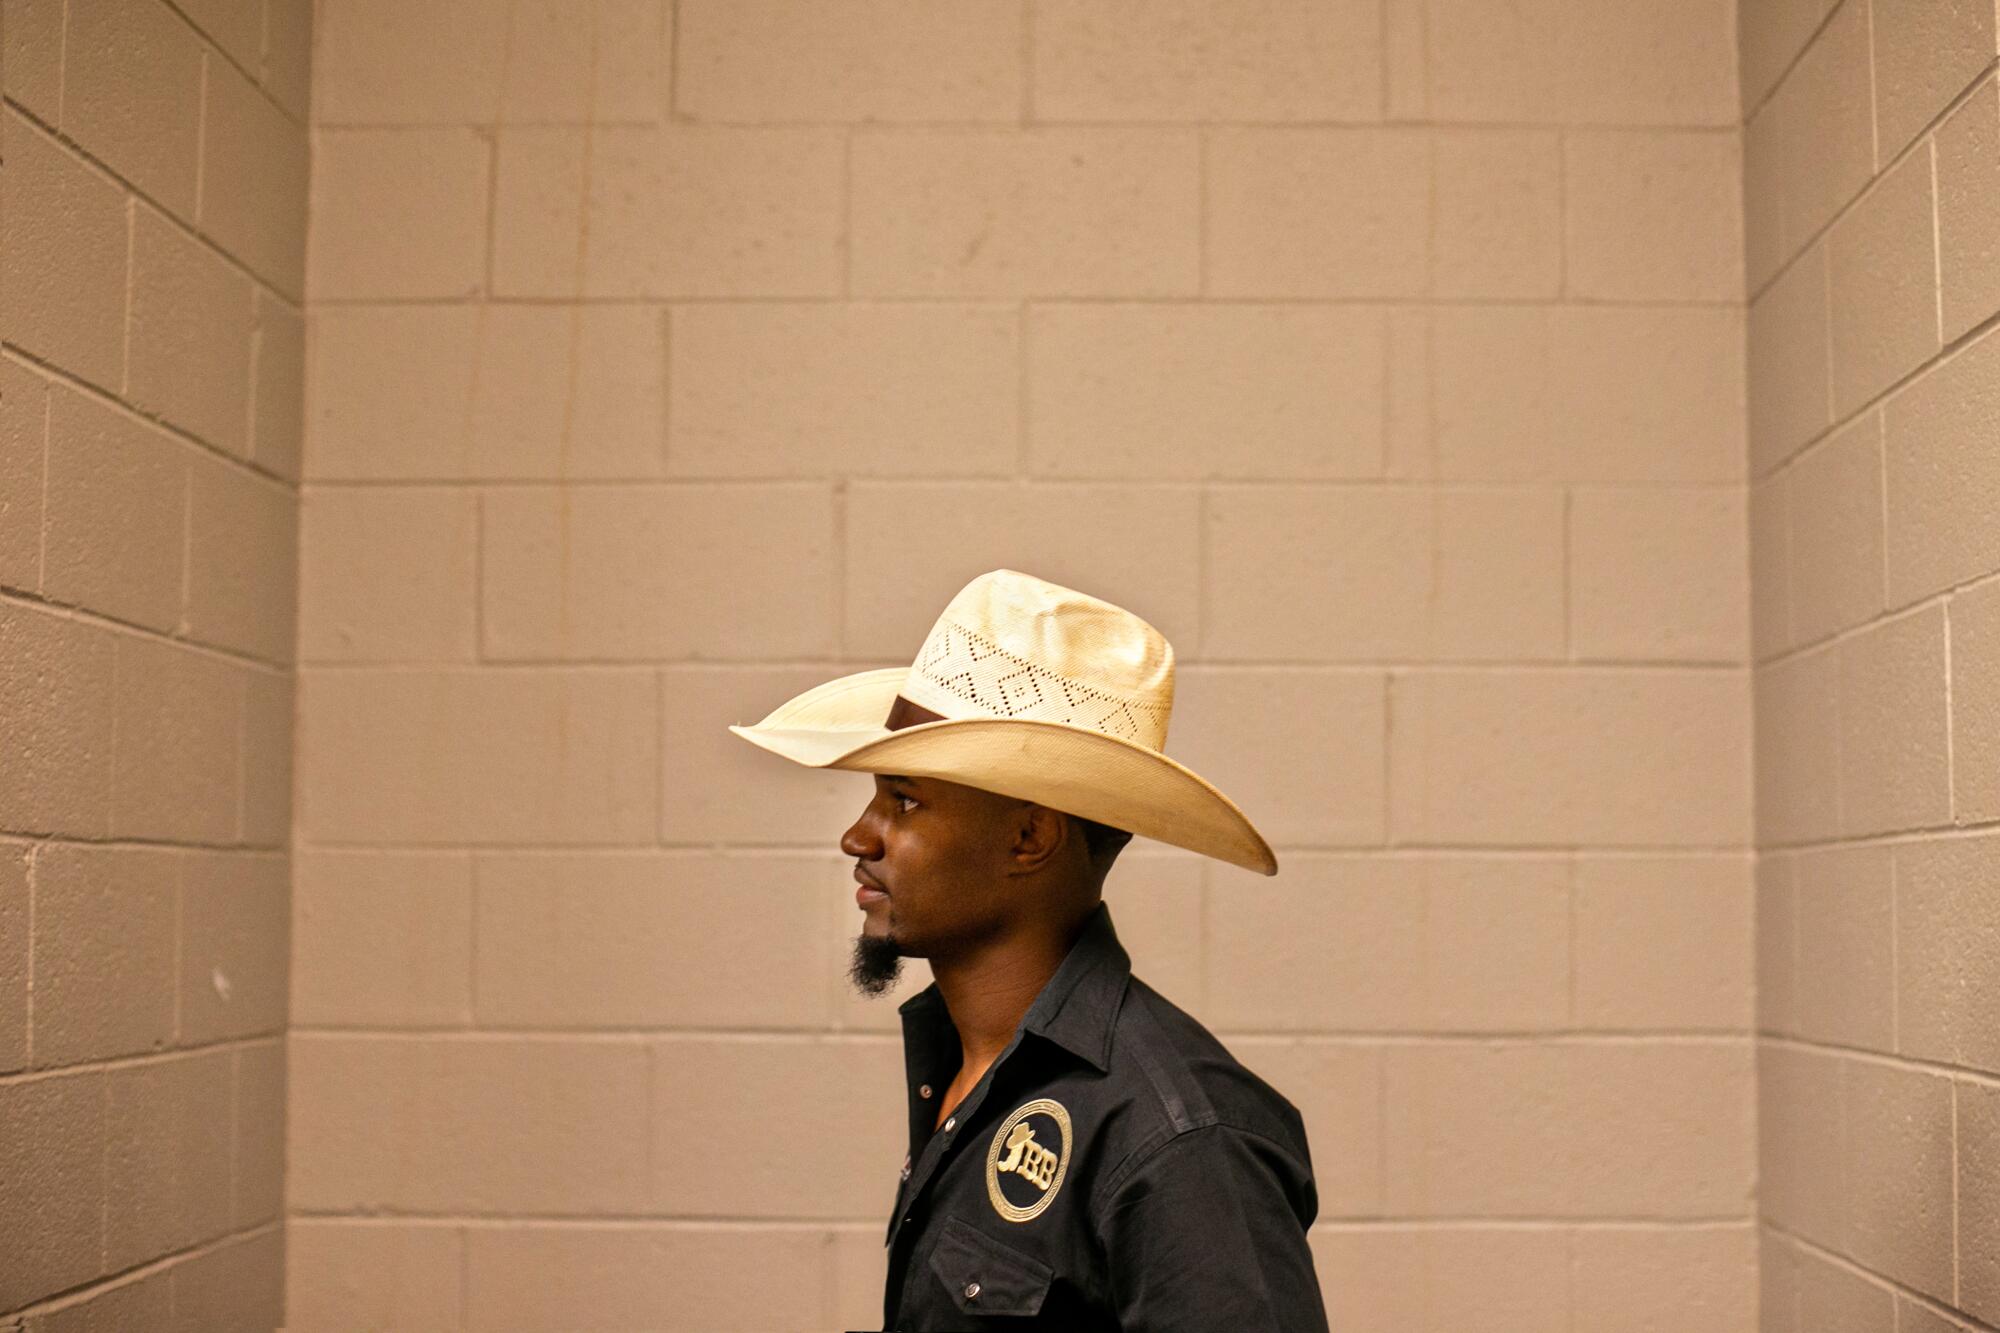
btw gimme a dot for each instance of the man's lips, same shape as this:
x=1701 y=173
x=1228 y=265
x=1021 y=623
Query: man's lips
x=869 y=891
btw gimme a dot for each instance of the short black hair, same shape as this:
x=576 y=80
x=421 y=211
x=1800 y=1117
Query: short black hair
x=1103 y=841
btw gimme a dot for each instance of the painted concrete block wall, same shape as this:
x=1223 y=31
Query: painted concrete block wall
x=1872 y=254
x=665 y=359
x=1163 y=310
x=152 y=227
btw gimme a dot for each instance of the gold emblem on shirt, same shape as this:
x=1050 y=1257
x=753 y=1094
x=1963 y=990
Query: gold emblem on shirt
x=1032 y=1147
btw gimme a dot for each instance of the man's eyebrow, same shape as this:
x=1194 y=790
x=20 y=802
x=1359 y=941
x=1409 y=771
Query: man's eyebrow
x=897 y=777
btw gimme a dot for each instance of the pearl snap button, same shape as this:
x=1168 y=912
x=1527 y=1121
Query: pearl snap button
x=924 y=1092
x=971 y=1290
x=949 y=1123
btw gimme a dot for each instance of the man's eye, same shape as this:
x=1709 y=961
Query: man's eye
x=899 y=798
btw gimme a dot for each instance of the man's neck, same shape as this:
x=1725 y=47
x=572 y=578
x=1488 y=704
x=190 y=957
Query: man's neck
x=989 y=990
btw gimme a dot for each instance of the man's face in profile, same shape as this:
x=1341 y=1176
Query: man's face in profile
x=928 y=856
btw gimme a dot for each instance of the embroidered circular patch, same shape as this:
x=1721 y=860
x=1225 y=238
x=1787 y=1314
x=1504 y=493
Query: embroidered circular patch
x=1025 y=1164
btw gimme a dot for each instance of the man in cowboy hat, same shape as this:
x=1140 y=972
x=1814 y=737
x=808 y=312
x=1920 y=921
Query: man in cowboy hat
x=1083 y=1155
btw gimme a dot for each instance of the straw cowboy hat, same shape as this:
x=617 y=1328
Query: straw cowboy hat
x=1047 y=694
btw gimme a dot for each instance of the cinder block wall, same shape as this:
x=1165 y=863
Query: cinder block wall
x=666 y=359
x=1872 y=196
x=152 y=231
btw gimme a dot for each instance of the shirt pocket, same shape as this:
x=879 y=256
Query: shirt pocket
x=986 y=1277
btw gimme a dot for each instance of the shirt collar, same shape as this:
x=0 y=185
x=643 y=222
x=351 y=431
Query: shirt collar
x=1078 y=1006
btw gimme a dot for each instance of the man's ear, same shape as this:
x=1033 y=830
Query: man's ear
x=1039 y=836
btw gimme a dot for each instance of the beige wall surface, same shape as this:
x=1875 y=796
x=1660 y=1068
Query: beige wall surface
x=1517 y=415
x=152 y=227
x=1872 y=196
x=666 y=359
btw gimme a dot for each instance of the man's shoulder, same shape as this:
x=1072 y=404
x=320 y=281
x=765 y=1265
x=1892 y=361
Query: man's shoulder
x=1183 y=1078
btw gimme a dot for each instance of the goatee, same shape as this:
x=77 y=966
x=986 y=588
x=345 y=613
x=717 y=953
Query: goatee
x=877 y=963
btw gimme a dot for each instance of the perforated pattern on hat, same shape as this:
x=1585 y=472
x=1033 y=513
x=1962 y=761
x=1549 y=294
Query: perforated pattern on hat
x=980 y=671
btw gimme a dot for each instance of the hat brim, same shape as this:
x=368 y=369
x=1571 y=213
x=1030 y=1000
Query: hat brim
x=839 y=725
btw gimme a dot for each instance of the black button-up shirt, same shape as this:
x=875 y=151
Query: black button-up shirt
x=1115 y=1168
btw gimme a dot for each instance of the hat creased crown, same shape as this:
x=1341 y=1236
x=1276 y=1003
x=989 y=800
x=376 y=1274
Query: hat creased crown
x=1015 y=646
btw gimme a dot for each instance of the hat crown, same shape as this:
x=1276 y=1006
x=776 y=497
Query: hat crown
x=1014 y=646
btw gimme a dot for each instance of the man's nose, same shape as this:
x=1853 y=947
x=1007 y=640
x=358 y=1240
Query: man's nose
x=860 y=839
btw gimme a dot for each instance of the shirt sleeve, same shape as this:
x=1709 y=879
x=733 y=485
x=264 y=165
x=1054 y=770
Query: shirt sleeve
x=1205 y=1234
